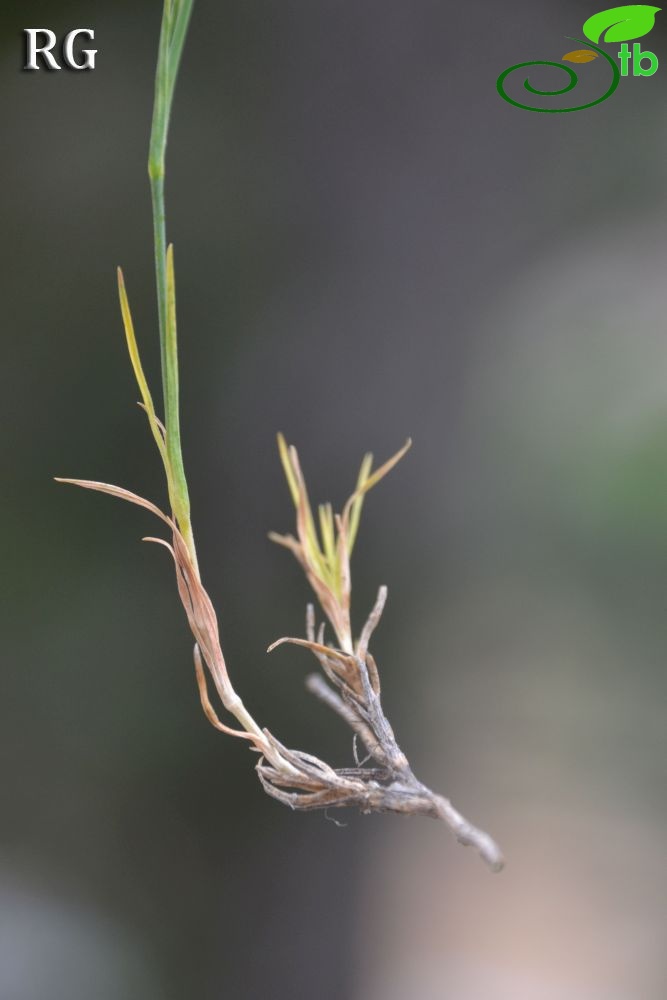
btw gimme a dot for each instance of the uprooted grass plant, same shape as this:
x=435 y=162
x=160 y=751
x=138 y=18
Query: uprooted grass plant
x=349 y=681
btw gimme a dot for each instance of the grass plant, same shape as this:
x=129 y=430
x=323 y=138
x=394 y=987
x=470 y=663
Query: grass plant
x=349 y=680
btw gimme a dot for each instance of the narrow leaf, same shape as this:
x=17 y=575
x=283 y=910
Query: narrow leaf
x=355 y=508
x=327 y=532
x=305 y=522
x=287 y=468
x=315 y=647
x=374 y=479
x=122 y=494
x=380 y=473
x=133 y=351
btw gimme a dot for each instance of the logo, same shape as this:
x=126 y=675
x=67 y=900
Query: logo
x=619 y=24
x=40 y=41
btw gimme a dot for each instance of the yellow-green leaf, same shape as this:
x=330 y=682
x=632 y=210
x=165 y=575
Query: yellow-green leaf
x=327 y=532
x=355 y=509
x=288 y=470
x=133 y=351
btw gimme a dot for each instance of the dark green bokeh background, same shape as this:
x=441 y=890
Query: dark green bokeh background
x=369 y=244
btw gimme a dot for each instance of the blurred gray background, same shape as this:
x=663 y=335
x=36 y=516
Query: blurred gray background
x=369 y=244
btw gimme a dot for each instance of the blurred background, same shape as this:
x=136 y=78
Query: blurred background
x=370 y=244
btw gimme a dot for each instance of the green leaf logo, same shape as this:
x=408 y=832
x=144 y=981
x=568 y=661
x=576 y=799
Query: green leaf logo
x=621 y=24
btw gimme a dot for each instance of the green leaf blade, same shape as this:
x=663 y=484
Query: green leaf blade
x=621 y=24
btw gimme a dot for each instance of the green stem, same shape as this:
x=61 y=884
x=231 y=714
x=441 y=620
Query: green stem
x=175 y=18
x=156 y=170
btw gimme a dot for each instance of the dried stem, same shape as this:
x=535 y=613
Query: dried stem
x=351 y=685
x=399 y=791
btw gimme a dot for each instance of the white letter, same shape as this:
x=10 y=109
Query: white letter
x=44 y=50
x=68 y=49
